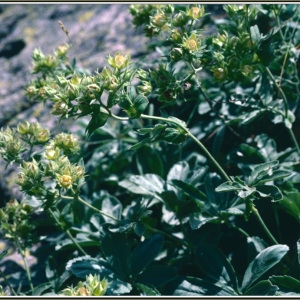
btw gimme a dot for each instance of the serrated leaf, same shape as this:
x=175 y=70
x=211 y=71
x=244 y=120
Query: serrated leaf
x=83 y=266
x=229 y=187
x=191 y=286
x=265 y=260
x=269 y=191
x=260 y=171
x=286 y=283
x=276 y=175
x=262 y=288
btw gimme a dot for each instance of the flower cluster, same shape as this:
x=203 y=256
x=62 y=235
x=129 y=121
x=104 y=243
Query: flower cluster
x=92 y=286
x=15 y=222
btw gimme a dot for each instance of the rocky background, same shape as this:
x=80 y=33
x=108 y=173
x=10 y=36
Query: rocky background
x=95 y=30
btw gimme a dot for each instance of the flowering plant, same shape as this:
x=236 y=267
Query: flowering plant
x=179 y=181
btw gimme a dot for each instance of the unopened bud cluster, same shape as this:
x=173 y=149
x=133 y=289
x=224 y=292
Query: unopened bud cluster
x=92 y=286
x=15 y=222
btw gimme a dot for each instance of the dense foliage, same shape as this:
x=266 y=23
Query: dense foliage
x=184 y=176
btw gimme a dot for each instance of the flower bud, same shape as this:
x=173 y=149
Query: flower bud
x=159 y=20
x=220 y=73
x=62 y=50
x=191 y=43
x=180 y=19
x=23 y=128
x=146 y=88
x=51 y=153
x=59 y=108
x=31 y=169
x=22 y=179
x=176 y=35
x=118 y=61
x=196 y=12
x=43 y=135
x=247 y=70
x=31 y=90
x=176 y=54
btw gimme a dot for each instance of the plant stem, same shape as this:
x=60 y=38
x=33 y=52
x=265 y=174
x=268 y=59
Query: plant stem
x=280 y=92
x=285 y=108
x=97 y=210
x=8 y=284
x=260 y=220
x=23 y=254
x=67 y=232
x=203 y=148
x=75 y=242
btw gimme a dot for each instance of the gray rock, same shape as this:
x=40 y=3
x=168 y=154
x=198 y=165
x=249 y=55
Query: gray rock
x=95 y=31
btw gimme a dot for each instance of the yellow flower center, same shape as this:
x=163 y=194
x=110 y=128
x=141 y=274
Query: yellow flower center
x=192 y=44
x=195 y=12
x=120 y=60
x=66 y=181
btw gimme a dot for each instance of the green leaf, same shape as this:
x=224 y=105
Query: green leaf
x=145 y=252
x=253 y=116
x=146 y=290
x=148 y=184
x=157 y=275
x=276 y=175
x=291 y=204
x=197 y=220
x=83 y=266
x=217 y=268
x=262 y=288
x=262 y=263
x=3 y=253
x=148 y=160
x=269 y=191
x=288 y=122
x=191 y=286
x=255 y=35
x=98 y=120
x=134 y=107
x=173 y=136
x=230 y=187
x=286 y=283
x=141 y=143
x=179 y=171
x=190 y=191
x=260 y=171
x=117 y=252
